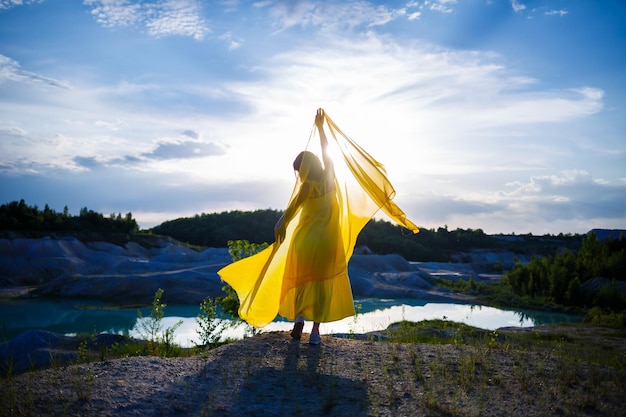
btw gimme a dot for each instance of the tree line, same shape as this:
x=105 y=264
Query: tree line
x=560 y=277
x=382 y=237
x=19 y=216
x=217 y=229
x=558 y=266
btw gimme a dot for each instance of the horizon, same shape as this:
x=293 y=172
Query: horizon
x=504 y=116
x=432 y=229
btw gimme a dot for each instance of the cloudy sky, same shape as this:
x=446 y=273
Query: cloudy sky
x=505 y=115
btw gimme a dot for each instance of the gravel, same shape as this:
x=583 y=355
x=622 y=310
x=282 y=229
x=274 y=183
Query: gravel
x=272 y=375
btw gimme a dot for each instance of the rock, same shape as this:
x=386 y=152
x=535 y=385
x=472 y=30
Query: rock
x=132 y=272
x=68 y=267
x=381 y=263
x=486 y=259
x=593 y=285
x=36 y=349
x=392 y=276
x=39 y=349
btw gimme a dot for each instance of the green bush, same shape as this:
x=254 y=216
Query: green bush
x=559 y=277
x=160 y=340
x=238 y=249
x=210 y=326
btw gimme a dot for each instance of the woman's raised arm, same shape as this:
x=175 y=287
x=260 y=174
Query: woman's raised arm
x=329 y=169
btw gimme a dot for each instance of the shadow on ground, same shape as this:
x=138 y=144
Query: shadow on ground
x=279 y=377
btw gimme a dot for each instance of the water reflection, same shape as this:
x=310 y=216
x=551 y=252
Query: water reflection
x=73 y=317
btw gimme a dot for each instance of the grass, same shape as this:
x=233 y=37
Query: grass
x=564 y=341
x=569 y=366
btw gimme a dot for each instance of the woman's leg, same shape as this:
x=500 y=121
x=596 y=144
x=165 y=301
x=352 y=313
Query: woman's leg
x=296 y=333
x=315 y=338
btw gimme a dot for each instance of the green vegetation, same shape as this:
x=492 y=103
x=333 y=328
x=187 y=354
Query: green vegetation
x=216 y=229
x=383 y=237
x=238 y=249
x=160 y=340
x=428 y=245
x=560 y=278
x=210 y=326
x=18 y=216
x=577 y=365
x=501 y=295
x=588 y=281
x=429 y=368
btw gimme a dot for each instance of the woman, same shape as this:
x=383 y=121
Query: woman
x=315 y=283
x=304 y=274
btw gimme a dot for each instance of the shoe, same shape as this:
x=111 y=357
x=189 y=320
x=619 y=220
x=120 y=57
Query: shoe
x=315 y=339
x=296 y=333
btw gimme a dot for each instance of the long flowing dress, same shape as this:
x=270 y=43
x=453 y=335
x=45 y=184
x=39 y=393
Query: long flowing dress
x=306 y=274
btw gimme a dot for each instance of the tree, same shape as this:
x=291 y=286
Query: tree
x=238 y=249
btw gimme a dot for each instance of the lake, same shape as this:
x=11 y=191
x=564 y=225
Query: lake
x=67 y=316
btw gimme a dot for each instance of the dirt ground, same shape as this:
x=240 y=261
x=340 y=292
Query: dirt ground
x=272 y=375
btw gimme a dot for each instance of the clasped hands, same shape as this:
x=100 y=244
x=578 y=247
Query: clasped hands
x=319 y=118
x=280 y=233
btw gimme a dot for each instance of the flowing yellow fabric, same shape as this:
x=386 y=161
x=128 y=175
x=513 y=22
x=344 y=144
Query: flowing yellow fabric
x=306 y=273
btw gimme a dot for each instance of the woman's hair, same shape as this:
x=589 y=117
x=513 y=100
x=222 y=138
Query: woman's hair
x=308 y=166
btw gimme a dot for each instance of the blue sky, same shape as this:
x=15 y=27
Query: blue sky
x=504 y=115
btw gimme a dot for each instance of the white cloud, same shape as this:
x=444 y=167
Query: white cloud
x=586 y=198
x=396 y=81
x=568 y=201
x=12 y=131
x=10 y=70
x=7 y=4
x=111 y=125
x=161 y=18
x=467 y=141
x=191 y=134
x=177 y=17
x=411 y=95
x=443 y=6
x=329 y=14
x=229 y=38
x=115 y=13
x=537 y=107
x=184 y=150
x=556 y=12
x=517 y=6
x=414 y=15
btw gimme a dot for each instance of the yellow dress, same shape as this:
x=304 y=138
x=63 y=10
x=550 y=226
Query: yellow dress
x=306 y=274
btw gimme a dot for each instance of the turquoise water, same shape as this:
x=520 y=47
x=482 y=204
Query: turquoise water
x=71 y=317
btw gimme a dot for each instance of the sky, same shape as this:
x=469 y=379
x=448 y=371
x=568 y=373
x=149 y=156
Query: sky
x=503 y=115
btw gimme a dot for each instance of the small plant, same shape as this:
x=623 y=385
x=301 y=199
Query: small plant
x=83 y=378
x=357 y=311
x=152 y=327
x=167 y=339
x=492 y=339
x=467 y=368
x=83 y=384
x=210 y=327
x=83 y=352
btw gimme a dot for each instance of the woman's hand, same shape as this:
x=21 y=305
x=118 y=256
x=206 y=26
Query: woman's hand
x=280 y=232
x=319 y=118
x=280 y=229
